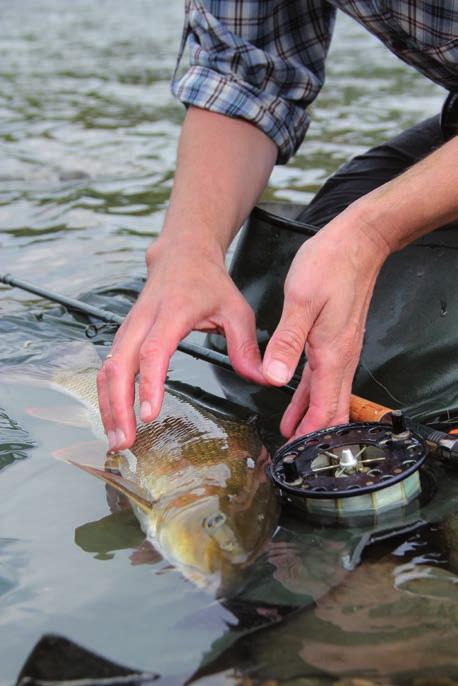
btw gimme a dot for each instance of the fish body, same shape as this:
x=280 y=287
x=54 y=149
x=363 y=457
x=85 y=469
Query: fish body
x=197 y=481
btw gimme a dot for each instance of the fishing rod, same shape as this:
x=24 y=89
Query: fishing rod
x=368 y=466
x=193 y=349
x=361 y=409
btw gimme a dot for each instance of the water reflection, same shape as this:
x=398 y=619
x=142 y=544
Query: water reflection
x=14 y=441
x=117 y=531
x=393 y=620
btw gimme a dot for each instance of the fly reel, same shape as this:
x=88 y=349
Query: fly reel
x=357 y=469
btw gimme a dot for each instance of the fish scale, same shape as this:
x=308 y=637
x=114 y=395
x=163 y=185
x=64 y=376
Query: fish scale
x=184 y=434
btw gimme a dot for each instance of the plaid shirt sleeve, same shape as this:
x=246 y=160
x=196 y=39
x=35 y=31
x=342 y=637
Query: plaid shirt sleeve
x=259 y=60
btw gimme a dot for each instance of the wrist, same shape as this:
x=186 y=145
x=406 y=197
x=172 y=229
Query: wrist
x=192 y=245
x=379 y=219
x=358 y=236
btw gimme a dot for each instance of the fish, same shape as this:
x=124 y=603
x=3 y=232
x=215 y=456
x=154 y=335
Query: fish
x=196 y=480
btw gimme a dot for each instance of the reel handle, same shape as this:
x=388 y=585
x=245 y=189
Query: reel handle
x=442 y=445
x=363 y=410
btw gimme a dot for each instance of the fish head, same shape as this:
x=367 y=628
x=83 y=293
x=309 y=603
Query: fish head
x=212 y=536
x=198 y=534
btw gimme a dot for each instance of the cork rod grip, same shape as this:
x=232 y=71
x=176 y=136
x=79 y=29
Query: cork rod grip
x=362 y=410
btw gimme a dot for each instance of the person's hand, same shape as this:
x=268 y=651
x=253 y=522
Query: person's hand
x=327 y=295
x=187 y=289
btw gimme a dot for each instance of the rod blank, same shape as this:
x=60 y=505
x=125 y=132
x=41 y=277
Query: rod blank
x=193 y=349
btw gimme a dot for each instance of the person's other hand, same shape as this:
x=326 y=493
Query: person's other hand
x=188 y=288
x=327 y=294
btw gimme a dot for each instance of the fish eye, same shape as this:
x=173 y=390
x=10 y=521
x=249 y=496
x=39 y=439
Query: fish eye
x=214 y=521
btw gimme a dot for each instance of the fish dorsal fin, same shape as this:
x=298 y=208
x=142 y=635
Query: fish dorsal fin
x=129 y=488
x=72 y=415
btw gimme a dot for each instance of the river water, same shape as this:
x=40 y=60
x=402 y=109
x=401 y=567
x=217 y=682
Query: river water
x=88 y=131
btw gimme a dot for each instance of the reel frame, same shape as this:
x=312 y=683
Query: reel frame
x=342 y=469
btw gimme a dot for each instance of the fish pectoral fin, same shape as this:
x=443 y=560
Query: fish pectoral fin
x=145 y=554
x=134 y=492
x=73 y=415
x=85 y=452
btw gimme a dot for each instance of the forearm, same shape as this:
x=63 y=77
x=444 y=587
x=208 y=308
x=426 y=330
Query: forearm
x=420 y=200
x=223 y=166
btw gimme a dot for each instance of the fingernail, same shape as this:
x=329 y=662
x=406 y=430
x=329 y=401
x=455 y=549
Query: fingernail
x=120 y=437
x=111 y=439
x=145 y=411
x=278 y=372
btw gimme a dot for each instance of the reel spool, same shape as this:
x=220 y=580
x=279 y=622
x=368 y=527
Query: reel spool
x=358 y=469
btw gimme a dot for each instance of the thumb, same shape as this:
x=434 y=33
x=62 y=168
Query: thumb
x=286 y=345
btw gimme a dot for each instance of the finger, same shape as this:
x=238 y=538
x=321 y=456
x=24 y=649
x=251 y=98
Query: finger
x=287 y=343
x=345 y=366
x=298 y=405
x=116 y=404
x=343 y=406
x=105 y=408
x=326 y=385
x=242 y=345
x=116 y=380
x=155 y=353
x=121 y=393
